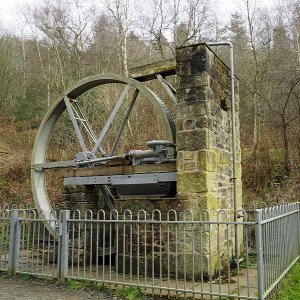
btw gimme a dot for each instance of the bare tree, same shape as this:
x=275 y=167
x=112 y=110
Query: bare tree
x=119 y=9
x=259 y=39
x=286 y=118
x=7 y=75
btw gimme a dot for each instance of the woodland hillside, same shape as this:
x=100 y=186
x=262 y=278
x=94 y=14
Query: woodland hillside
x=57 y=43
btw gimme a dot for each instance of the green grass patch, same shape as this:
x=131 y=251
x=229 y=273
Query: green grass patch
x=75 y=285
x=250 y=263
x=101 y=287
x=133 y=293
x=4 y=275
x=26 y=277
x=289 y=288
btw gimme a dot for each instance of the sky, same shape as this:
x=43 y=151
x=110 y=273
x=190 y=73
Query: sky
x=9 y=12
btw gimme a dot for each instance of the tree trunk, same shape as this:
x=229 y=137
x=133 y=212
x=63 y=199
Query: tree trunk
x=24 y=69
x=286 y=147
x=298 y=45
x=124 y=55
x=255 y=122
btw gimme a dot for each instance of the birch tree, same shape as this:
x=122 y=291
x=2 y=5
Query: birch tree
x=259 y=40
x=120 y=11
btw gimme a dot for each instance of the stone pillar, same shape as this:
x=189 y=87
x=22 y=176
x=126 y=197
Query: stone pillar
x=204 y=140
x=203 y=123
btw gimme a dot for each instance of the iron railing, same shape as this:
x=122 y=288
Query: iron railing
x=37 y=247
x=5 y=221
x=279 y=239
x=188 y=254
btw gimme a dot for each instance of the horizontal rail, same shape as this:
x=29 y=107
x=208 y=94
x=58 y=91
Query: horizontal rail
x=272 y=219
x=189 y=253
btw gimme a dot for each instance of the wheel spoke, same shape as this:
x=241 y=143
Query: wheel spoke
x=136 y=92
x=54 y=165
x=111 y=118
x=80 y=115
x=75 y=124
x=168 y=87
x=85 y=123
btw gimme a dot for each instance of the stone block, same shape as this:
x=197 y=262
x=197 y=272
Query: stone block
x=192 y=140
x=201 y=122
x=192 y=94
x=200 y=61
x=189 y=155
x=183 y=68
x=212 y=162
x=202 y=160
x=189 y=166
x=193 y=123
x=189 y=124
x=188 y=110
x=192 y=182
x=195 y=80
x=183 y=55
x=224 y=158
x=179 y=123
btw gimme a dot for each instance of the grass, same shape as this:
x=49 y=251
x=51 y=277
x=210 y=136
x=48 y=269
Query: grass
x=289 y=288
x=75 y=285
x=24 y=277
x=4 y=275
x=131 y=293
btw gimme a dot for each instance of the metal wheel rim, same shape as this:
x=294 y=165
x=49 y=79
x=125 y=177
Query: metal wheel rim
x=39 y=190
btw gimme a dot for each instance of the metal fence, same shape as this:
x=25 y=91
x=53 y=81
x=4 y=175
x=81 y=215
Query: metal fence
x=190 y=254
x=5 y=219
x=278 y=238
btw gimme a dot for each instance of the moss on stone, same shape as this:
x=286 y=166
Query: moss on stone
x=192 y=182
x=224 y=158
x=212 y=164
x=202 y=160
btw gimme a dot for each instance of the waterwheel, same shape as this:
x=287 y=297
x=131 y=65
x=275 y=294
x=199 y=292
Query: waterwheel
x=68 y=138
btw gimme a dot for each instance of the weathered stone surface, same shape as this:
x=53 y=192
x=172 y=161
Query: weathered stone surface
x=192 y=182
x=202 y=79
x=196 y=109
x=204 y=162
x=192 y=140
x=192 y=94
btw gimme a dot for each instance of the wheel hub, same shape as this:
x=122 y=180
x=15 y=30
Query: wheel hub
x=84 y=157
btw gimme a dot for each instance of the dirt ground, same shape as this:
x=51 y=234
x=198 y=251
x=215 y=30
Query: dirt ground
x=18 y=289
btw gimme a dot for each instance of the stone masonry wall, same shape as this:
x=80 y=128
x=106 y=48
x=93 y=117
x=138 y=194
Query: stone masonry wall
x=203 y=123
x=204 y=141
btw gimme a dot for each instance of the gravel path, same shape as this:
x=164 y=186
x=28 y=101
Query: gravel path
x=18 y=289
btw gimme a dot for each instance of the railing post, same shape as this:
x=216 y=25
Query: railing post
x=14 y=243
x=298 y=226
x=259 y=251
x=63 y=249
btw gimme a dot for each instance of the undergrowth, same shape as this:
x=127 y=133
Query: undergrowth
x=289 y=288
x=264 y=176
x=15 y=153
